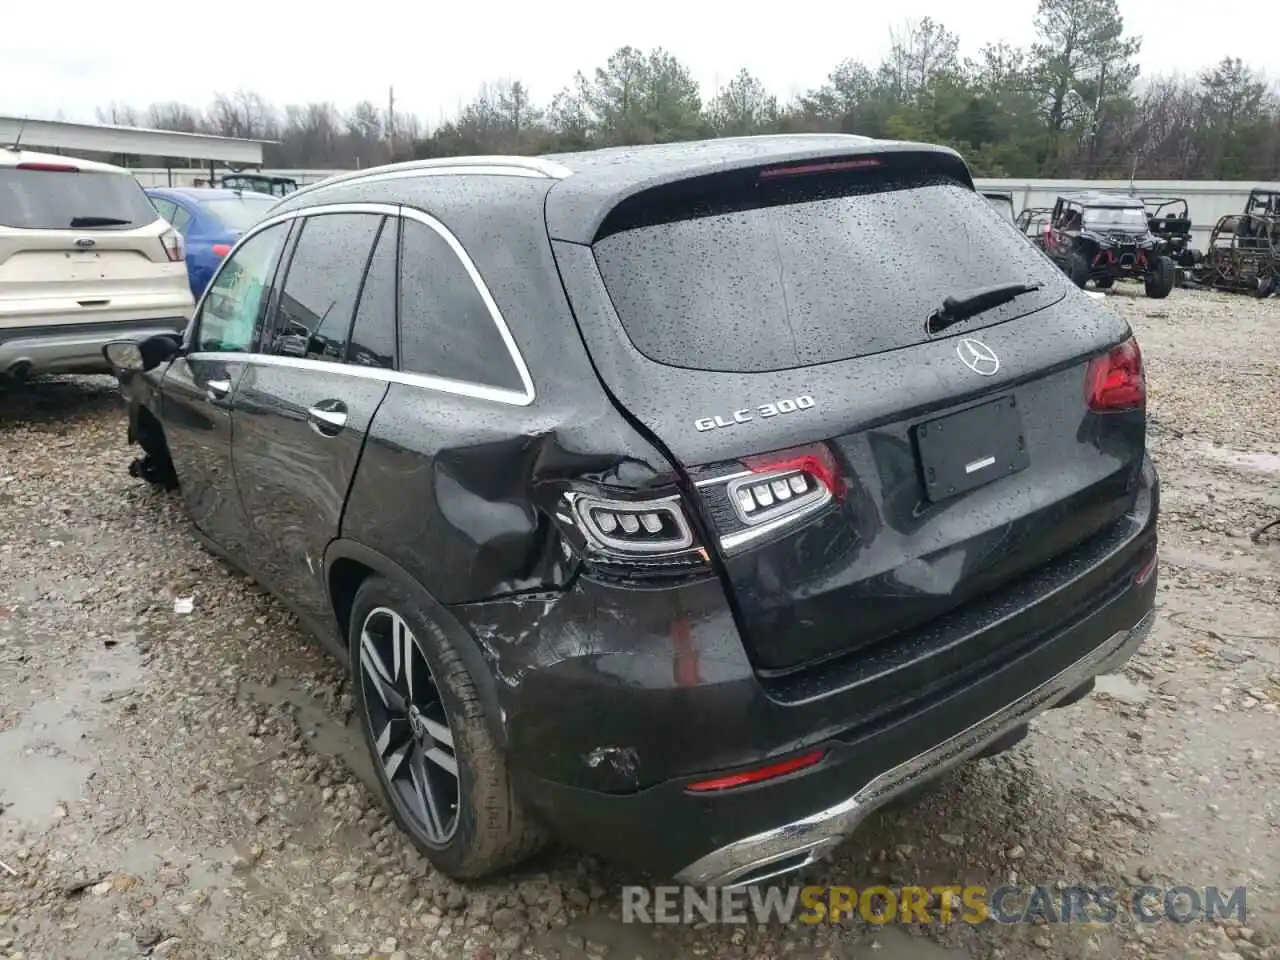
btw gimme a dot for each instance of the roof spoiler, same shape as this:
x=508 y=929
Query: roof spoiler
x=673 y=197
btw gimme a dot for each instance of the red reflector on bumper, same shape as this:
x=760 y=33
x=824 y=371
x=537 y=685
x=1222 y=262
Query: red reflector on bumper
x=1147 y=569
x=759 y=774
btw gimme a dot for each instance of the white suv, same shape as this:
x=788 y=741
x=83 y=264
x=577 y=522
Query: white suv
x=84 y=259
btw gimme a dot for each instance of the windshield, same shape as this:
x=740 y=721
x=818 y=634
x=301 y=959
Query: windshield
x=824 y=274
x=1123 y=218
x=239 y=213
x=65 y=200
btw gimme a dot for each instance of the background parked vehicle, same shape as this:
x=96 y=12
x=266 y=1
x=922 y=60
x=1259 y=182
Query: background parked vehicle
x=700 y=458
x=1169 y=218
x=1263 y=203
x=270 y=184
x=1243 y=255
x=1104 y=237
x=1034 y=223
x=211 y=220
x=84 y=259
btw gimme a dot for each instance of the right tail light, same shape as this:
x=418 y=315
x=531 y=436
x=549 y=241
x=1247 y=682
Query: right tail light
x=1116 y=380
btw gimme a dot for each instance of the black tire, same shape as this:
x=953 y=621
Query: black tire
x=1105 y=283
x=1079 y=271
x=489 y=830
x=1160 y=282
x=155 y=466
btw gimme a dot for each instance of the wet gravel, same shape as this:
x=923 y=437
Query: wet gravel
x=187 y=785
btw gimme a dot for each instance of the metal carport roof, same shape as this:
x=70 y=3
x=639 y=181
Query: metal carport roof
x=94 y=138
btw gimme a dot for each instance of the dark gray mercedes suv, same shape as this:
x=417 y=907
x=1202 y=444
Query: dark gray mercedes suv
x=686 y=502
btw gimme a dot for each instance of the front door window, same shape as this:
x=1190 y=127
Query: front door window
x=231 y=313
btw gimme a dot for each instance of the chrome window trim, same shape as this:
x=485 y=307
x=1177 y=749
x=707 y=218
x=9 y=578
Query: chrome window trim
x=460 y=388
x=463 y=388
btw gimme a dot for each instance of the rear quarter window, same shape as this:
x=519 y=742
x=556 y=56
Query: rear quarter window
x=446 y=327
x=60 y=200
x=239 y=213
x=816 y=271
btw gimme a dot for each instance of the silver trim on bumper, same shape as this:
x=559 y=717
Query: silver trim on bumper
x=796 y=845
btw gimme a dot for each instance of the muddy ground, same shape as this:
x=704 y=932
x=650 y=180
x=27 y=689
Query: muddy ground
x=187 y=785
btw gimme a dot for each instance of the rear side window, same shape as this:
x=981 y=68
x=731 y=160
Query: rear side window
x=813 y=270
x=373 y=337
x=62 y=200
x=320 y=289
x=166 y=208
x=446 y=329
x=239 y=213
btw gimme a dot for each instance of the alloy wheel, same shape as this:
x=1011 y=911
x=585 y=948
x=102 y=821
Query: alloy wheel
x=408 y=726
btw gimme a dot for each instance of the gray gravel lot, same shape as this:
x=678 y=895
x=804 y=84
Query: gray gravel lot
x=188 y=786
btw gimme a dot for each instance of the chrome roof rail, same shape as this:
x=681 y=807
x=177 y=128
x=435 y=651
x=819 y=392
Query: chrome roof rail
x=529 y=166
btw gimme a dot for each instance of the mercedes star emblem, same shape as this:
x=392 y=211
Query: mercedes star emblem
x=978 y=357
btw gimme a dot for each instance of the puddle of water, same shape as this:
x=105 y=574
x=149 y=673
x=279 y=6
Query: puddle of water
x=1119 y=687
x=1268 y=463
x=323 y=731
x=143 y=857
x=583 y=938
x=48 y=755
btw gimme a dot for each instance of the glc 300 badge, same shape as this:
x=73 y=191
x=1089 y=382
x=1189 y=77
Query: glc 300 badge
x=762 y=412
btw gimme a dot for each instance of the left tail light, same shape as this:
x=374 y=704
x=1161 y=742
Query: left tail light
x=630 y=534
x=761 y=496
x=175 y=248
x=645 y=528
x=220 y=250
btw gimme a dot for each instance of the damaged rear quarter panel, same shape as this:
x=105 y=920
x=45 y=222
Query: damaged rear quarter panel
x=445 y=482
x=614 y=686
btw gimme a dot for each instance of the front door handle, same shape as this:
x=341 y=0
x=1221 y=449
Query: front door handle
x=327 y=417
x=218 y=389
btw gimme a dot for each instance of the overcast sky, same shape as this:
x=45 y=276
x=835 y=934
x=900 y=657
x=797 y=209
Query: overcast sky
x=437 y=54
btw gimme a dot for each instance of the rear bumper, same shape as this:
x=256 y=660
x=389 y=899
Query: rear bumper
x=73 y=348
x=751 y=833
x=615 y=699
x=800 y=842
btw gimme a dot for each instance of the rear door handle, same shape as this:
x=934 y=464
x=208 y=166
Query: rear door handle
x=218 y=389
x=328 y=417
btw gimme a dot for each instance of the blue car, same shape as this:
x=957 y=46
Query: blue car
x=211 y=220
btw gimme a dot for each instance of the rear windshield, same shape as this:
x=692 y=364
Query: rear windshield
x=814 y=272
x=58 y=200
x=1003 y=204
x=1128 y=218
x=239 y=213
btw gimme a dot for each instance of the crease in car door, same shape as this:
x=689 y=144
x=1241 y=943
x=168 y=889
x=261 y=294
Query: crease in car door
x=302 y=411
x=199 y=387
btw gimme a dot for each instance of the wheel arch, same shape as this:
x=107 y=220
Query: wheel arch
x=348 y=564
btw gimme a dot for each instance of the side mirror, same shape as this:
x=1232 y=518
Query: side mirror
x=124 y=356
x=138 y=356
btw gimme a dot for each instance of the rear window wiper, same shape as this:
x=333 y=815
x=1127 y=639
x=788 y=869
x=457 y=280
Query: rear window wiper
x=99 y=222
x=957 y=308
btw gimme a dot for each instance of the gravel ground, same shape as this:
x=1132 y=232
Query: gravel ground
x=189 y=785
